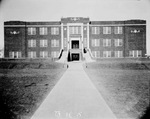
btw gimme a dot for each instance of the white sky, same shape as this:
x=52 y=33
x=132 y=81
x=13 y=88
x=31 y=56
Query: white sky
x=53 y=10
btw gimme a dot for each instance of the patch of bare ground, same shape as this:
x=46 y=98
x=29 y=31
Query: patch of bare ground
x=24 y=85
x=124 y=84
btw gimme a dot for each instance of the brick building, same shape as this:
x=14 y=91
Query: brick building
x=103 y=39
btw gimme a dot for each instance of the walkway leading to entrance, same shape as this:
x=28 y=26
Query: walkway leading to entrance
x=74 y=97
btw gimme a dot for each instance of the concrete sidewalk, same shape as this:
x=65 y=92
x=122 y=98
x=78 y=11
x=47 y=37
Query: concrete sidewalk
x=74 y=97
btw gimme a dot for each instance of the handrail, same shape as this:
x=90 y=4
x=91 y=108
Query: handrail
x=60 y=54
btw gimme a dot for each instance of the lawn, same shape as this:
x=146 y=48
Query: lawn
x=24 y=85
x=124 y=84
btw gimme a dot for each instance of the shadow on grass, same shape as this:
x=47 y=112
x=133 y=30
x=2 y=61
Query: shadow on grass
x=5 y=112
x=146 y=114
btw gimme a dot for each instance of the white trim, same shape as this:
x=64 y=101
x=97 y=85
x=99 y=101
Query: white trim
x=31 y=25
x=43 y=25
x=62 y=36
x=73 y=24
x=119 y=25
x=88 y=35
x=14 y=25
x=81 y=40
x=134 y=24
x=68 y=37
x=75 y=38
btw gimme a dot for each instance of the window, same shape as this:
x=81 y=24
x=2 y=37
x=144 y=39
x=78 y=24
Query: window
x=135 y=53
x=43 y=43
x=55 y=30
x=106 y=30
x=118 y=53
x=31 y=31
x=31 y=54
x=96 y=54
x=75 y=29
x=95 y=30
x=54 y=54
x=43 y=31
x=32 y=43
x=118 y=42
x=54 y=43
x=43 y=54
x=118 y=30
x=11 y=54
x=16 y=54
x=106 y=42
x=95 y=42
x=106 y=53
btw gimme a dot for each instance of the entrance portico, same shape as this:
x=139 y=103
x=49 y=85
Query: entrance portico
x=74 y=36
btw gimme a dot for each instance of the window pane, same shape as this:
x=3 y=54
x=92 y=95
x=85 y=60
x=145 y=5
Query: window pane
x=18 y=54
x=139 y=53
x=131 y=53
x=106 y=53
x=75 y=29
x=43 y=43
x=95 y=42
x=43 y=54
x=118 y=54
x=54 y=30
x=43 y=31
x=31 y=43
x=54 y=54
x=31 y=31
x=11 y=54
x=118 y=42
x=95 y=30
x=118 y=30
x=106 y=30
x=54 y=43
x=32 y=54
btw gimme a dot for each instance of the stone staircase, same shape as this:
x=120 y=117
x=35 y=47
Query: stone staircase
x=88 y=57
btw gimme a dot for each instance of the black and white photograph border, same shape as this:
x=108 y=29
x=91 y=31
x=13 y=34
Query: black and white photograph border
x=74 y=59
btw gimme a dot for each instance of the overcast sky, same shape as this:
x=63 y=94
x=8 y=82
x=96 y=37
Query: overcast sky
x=53 y=10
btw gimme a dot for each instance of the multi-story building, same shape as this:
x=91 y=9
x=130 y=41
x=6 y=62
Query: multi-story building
x=103 y=39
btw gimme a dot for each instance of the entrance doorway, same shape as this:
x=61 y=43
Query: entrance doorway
x=75 y=44
x=75 y=57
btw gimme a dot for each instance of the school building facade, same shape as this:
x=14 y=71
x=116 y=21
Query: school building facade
x=103 y=39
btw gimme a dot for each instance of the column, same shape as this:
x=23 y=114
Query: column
x=88 y=35
x=82 y=37
x=68 y=37
x=62 y=37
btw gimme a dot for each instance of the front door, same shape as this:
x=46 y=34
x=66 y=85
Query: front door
x=75 y=56
x=75 y=44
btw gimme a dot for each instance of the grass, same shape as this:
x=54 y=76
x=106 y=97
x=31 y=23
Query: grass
x=124 y=84
x=24 y=85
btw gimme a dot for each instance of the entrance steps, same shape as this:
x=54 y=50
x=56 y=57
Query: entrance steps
x=64 y=56
x=87 y=57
